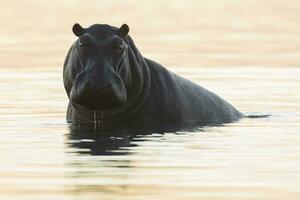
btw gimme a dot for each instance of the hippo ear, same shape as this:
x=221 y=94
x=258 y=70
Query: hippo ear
x=78 y=30
x=123 y=30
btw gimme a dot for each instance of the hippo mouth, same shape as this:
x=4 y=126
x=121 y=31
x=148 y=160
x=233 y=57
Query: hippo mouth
x=98 y=102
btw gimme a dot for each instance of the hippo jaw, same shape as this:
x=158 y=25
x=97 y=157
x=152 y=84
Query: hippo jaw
x=102 y=78
x=99 y=103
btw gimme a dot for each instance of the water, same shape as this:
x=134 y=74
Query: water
x=250 y=60
x=43 y=158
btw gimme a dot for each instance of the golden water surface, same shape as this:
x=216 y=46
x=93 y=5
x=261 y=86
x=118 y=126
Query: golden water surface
x=246 y=51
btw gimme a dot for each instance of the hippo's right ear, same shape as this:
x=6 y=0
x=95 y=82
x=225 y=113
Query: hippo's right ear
x=123 y=30
x=78 y=30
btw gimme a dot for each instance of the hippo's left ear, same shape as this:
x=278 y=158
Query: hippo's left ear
x=123 y=30
x=78 y=30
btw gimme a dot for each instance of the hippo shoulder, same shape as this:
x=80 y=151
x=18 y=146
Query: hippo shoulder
x=183 y=99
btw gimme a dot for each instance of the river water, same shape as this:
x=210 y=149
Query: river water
x=250 y=61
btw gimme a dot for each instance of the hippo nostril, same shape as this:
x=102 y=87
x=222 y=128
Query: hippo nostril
x=89 y=85
x=108 y=85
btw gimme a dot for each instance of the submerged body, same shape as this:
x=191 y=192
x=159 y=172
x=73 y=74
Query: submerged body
x=141 y=92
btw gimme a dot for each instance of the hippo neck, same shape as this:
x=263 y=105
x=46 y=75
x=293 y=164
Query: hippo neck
x=138 y=95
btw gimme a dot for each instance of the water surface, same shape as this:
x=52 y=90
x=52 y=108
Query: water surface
x=42 y=157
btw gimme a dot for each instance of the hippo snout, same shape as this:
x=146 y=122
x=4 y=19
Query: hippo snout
x=95 y=96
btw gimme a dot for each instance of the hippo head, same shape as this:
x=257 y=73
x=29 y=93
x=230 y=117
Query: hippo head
x=97 y=69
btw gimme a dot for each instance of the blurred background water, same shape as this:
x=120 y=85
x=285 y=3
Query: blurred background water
x=246 y=51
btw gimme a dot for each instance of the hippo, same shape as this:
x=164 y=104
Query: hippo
x=108 y=81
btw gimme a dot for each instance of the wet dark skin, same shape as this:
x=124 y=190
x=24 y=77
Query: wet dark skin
x=107 y=78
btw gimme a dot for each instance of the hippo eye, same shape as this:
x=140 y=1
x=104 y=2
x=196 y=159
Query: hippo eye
x=84 y=42
x=84 y=45
x=118 y=48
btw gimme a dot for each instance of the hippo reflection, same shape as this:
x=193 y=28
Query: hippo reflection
x=106 y=78
x=111 y=140
x=99 y=141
